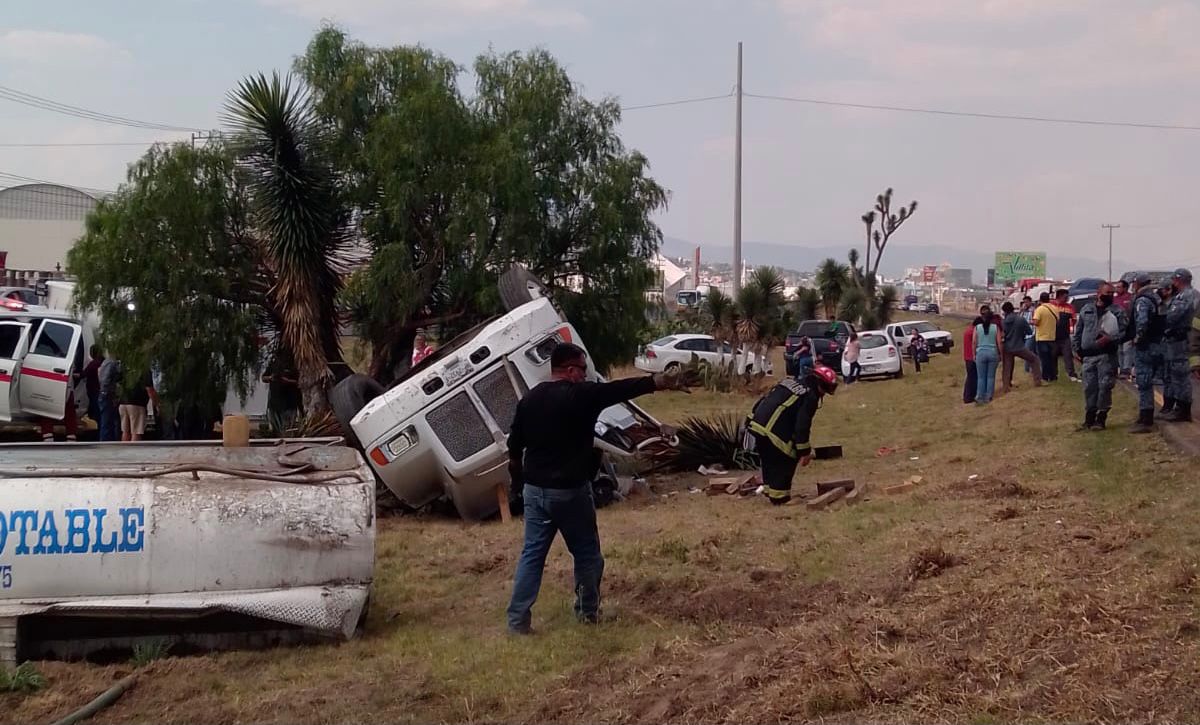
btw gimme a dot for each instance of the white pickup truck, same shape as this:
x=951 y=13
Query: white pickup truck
x=106 y=545
x=441 y=431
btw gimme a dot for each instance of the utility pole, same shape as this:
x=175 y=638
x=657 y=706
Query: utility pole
x=1110 y=228
x=737 y=183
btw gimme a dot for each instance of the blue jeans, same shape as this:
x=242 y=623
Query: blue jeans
x=986 y=361
x=110 y=419
x=548 y=511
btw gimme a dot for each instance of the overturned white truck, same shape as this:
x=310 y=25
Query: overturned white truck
x=441 y=431
x=104 y=546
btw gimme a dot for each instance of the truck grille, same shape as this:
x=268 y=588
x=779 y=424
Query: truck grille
x=496 y=391
x=459 y=427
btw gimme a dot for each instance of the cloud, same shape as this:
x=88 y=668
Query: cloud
x=443 y=16
x=1008 y=46
x=52 y=48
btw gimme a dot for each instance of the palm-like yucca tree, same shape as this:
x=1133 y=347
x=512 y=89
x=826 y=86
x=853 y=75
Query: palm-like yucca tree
x=759 y=307
x=721 y=317
x=297 y=216
x=885 y=303
x=808 y=300
x=832 y=280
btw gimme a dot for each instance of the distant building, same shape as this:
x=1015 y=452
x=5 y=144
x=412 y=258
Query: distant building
x=957 y=277
x=671 y=278
x=39 y=223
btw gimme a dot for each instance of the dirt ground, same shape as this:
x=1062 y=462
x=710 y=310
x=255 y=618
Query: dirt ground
x=1035 y=574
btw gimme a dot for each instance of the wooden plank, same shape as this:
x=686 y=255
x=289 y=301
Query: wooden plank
x=825 y=499
x=824 y=487
x=857 y=494
x=900 y=488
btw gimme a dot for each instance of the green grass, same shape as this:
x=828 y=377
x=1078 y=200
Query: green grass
x=435 y=647
x=23 y=679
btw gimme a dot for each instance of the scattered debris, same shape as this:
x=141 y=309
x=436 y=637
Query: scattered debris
x=914 y=458
x=824 y=487
x=973 y=476
x=885 y=451
x=713 y=470
x=930 y=562
x=826 y=498
x=825 y=453
x=858 y=493
x=1006 y=513
x=1083 y=534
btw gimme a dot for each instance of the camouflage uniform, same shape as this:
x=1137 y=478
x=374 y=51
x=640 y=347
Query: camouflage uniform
x=1099 y=361
x=1148 y=321
x=1177 y=378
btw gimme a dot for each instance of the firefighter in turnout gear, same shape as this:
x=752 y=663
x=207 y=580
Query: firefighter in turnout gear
x=781 y=422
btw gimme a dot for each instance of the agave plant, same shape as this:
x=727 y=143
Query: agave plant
x=711 y=441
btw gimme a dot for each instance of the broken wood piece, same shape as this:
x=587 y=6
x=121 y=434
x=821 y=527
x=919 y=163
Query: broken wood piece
x=825 y=453
x=718 y=486
x=915 y=479
x=858 y=493
x=826 y=498
x=900 y=488
x=827 y=486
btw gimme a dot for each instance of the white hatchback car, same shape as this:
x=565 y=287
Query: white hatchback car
x=676 y=351
x=879 y=355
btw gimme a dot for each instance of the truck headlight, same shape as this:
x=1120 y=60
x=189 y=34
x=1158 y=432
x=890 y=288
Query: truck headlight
x=402 y=442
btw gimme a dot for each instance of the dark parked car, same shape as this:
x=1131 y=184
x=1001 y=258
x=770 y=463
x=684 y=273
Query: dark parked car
x=828 y=340
x=1082 y=291
x=933 y=308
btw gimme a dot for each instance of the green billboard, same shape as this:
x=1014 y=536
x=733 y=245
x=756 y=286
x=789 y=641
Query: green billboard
x=1015 y=266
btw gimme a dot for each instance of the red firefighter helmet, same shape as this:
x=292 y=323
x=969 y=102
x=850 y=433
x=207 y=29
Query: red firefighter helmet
x=825 y=378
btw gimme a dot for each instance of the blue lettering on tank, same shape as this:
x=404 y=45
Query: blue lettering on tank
x=77 y=531
x=84 y=531
x=133 y=522
x=28 y=520
x=100 y=546
x=48 y=532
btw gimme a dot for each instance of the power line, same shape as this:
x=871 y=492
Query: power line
x=32 y=180
x=679 y=102
x=79 y=145
x=969 y=114
x=46 y=104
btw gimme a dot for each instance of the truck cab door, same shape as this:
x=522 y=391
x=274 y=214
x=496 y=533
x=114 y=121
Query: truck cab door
x=46 y=370
x=14 y=343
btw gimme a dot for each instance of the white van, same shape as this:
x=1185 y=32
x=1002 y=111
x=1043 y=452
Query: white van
x=36 y=369
x=41 y=357
x=441 y=431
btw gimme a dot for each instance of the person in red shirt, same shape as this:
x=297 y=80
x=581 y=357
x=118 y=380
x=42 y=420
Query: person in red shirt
x=972 y=382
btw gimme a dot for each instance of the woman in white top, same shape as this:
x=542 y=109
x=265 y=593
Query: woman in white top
x=850 y=355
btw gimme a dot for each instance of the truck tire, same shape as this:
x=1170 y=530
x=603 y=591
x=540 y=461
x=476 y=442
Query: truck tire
x=519 y=286
x=348 y=397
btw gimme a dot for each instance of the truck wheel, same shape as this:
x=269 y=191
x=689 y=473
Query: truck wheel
x=348 y=397
x=519 y=286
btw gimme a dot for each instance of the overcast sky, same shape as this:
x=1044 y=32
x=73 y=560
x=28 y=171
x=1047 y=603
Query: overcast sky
x=810 y=171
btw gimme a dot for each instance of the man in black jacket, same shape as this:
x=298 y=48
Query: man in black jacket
x=552 y=461
x=781 y=423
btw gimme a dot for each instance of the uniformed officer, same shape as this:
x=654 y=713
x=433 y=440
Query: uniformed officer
x=1148 y=322
x=1177 y=390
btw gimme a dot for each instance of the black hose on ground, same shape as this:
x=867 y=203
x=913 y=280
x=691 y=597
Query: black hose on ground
x=105 y=699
